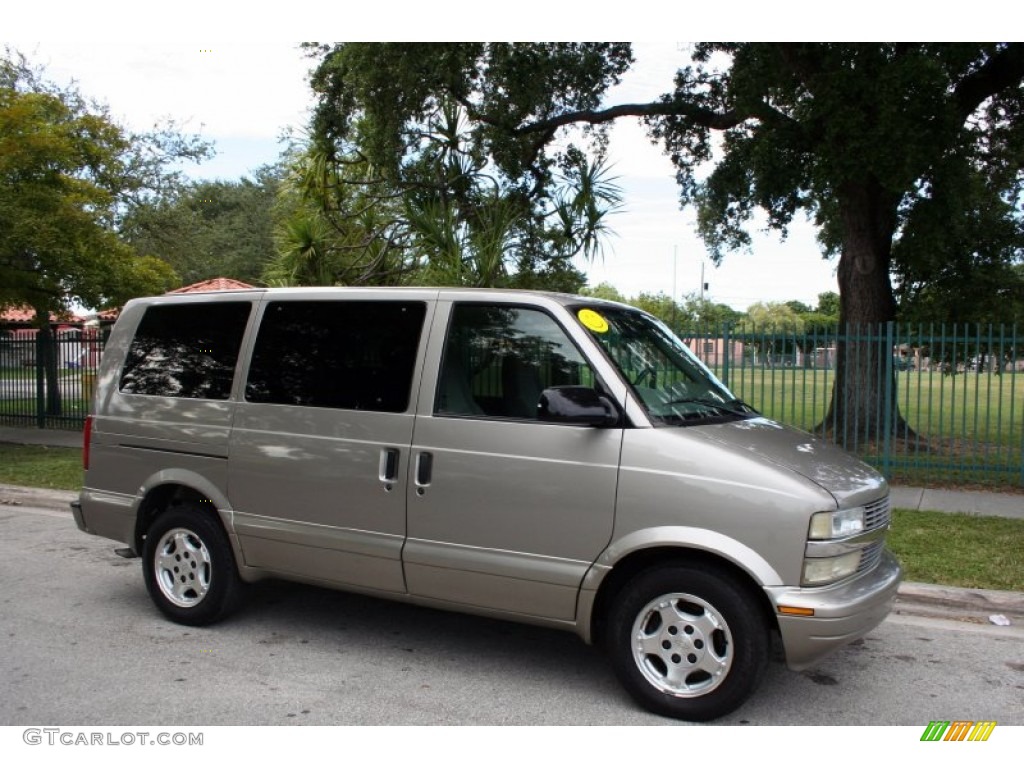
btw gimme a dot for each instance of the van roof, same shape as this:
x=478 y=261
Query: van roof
x=422 y=291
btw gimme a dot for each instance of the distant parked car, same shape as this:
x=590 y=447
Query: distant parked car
x=983 y=363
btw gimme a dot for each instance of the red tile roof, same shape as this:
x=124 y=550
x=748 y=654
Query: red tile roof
x=27 y=316
x=18 y=315
x=214 y=284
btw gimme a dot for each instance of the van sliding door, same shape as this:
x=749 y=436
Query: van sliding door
x=320 y=443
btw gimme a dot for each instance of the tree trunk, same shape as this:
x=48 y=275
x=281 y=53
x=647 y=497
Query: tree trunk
x=860 y=410
x=48 y=360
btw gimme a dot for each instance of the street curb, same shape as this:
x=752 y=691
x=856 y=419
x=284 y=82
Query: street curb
x=47 y=498
x=965 y=604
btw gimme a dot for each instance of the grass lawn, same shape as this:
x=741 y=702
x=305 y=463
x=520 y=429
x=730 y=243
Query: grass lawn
x=934 y=547
x=959 y=550
x=39 y=466
x=968 y=406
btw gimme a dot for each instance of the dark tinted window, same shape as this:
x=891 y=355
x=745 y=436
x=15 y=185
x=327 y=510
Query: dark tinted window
x=186 y=350
x=357 y=355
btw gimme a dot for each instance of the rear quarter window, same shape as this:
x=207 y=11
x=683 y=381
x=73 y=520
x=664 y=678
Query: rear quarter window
x=186 y=350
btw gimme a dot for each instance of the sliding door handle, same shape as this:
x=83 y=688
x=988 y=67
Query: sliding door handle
x=424 y=468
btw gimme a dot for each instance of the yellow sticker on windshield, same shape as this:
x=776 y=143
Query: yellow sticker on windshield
x=592 y=320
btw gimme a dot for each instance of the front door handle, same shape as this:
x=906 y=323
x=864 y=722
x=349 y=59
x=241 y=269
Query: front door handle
x=424 y=468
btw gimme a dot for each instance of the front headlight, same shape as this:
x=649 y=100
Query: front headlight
x=824 y=570
x=836 y=525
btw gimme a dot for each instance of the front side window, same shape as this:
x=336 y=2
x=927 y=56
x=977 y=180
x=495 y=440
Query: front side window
x=498 y=359
x=355 y=355
x=669 y=381
x=186 y=350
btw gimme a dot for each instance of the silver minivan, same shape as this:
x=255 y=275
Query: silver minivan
x=544 y=458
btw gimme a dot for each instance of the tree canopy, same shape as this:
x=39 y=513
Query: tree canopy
x=884 y=145
x=68 y=175
x=877 y=142
x=208 y=229
x=881 y=144
x=401 y=179
x=683 y=317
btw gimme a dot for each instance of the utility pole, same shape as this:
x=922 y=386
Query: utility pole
x=675 y=254
x=703 y=288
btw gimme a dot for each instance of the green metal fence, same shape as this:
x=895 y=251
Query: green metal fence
x=948 y=405
x=47 y=383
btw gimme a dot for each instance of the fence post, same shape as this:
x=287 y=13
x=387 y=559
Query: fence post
x=727 y=351
x=40 y=381
x=1014 y=356
x=887 y=424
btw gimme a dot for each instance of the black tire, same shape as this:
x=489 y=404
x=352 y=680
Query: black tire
x=687 y=642
x=189 y=567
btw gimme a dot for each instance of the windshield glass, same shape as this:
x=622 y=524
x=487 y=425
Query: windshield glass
x=669 y=381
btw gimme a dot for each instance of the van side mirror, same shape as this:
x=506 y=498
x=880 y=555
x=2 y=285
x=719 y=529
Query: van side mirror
x=578 y=405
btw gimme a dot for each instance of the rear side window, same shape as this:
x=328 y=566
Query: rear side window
x=186 y=350
x=356 y=355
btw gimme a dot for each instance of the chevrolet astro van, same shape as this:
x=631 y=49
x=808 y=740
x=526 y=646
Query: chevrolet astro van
x=544 y=458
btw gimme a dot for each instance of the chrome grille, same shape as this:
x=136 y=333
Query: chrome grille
x=877 y=514
x=870 y=555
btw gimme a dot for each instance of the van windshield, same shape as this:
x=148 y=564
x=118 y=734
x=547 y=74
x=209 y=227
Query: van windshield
x=669 y=381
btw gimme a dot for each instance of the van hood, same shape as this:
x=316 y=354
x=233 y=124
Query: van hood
x=850 y=481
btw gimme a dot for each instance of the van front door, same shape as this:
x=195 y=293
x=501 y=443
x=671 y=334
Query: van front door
x=505 y=512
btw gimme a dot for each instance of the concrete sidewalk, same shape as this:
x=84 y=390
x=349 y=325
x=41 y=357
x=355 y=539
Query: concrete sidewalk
x=981 y=503
x=903 y=497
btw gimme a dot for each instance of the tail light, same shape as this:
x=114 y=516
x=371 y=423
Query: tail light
x=86 y=440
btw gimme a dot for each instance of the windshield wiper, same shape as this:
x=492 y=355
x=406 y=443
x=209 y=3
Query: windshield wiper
x=728 y=406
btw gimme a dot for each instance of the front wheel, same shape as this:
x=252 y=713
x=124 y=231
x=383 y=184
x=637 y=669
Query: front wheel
x=687 y=643
x=189 y=567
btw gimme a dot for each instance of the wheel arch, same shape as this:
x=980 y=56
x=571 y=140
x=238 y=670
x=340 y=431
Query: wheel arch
x=639 y=560
x=168 y=489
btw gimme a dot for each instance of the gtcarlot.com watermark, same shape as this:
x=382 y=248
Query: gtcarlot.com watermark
x=71 y=738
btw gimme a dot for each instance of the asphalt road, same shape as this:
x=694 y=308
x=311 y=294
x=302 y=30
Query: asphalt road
x=82 y=644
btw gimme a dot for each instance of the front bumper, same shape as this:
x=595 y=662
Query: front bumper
x=842 y=613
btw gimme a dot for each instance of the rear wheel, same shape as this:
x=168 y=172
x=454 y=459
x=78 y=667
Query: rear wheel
x=189 y=567
x=687 y=643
